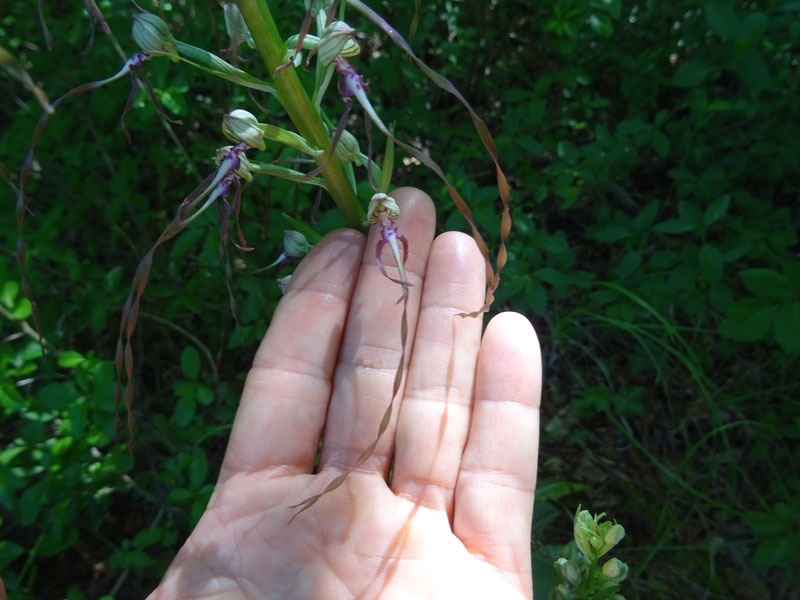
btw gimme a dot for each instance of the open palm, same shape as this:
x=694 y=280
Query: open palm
x=455 y=521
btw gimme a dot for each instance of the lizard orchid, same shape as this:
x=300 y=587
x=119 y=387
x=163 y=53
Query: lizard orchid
x=383 y=211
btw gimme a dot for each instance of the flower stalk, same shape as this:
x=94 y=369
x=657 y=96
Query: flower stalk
x=295 y=101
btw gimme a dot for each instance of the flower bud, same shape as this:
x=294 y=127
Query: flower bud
x=567 y=571
x=562 y=592
x=382 y=204
x=235 y=25
x=295 y=244
x=585 y=531
x=283 y=282
x=336 y=40
x=593 y=538
x=615 y=570
x=613 y=535
x=242 y=126
x=152 y=34
x=347 y=149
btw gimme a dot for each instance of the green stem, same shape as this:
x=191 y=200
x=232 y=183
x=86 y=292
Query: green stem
x=295 y=101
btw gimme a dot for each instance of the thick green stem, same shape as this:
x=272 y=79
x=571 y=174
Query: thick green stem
x=295 y=101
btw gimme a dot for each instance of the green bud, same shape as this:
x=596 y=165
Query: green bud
x=235 y=25
x=152 y=34
x=335 y=40
x=295 y=244
x=613 y=535
x=615 y=570
x=242 y=126
x=562 y=592
x=347 y=149
x=567 y=571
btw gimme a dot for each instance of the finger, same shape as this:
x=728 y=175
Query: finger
x=494 y=494
x=434 y=418
x=285 y=398
x=371 y=348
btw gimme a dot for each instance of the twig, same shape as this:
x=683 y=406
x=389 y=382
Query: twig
x=28 y=330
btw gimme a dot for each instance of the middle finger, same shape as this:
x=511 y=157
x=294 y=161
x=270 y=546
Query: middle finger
x=370 y=349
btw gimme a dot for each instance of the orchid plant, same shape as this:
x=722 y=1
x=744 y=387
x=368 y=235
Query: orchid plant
x=319 y=139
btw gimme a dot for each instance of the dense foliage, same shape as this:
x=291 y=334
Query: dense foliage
x=652 y=149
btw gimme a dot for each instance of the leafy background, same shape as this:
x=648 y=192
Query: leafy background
x=652 y=148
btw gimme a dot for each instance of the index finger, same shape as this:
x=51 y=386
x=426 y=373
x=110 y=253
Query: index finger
x=282 y=411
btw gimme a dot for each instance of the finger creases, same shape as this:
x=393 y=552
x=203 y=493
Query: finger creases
x=285 y=398
x=435 y=414
x=371 y=346
x=494 y=493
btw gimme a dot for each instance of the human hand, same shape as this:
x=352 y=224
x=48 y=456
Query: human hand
x=455 y=522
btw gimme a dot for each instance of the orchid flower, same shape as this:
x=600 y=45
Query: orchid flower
x=383 y=210
x=232 y=166
x=295 y=245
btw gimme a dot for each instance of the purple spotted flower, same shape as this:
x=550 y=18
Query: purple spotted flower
x=383 y=210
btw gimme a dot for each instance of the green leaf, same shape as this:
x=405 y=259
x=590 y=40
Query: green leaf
x=612 y=7
x=710 y=259
x=180 y=496
x=387 y=168
x=673 y=226
x=690 y=213
x=198 y=468
x=211 y=63
x=601 y=25
x=190 y=363
x=78 y=415
x=722 y=19
x=660 y=143
x=566 y=151
x=535 y=296
x=31 y=503
x=184 y=410
x=554 y=490
x=721 y=297
x=205 y=395
x=172 y=102
x=690 y=74
x=753 y=70
x=55 y=396
x=22 y=310
x=613 y=233
x=148 y=537
x=75 y=594
x=716 y=210
x=767 y=284
x=629 y=263
x=776 y=551
x=9 y=292
x=646 y=216
x=764 y=523
x=754 y=25
x=748 y=320
x=9 y=551
x=69 y=359
x=786 y=327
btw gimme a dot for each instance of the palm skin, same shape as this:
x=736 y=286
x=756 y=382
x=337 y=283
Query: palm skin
x=455 y=521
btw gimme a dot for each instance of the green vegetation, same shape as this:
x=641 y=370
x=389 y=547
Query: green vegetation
x=652 y=153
